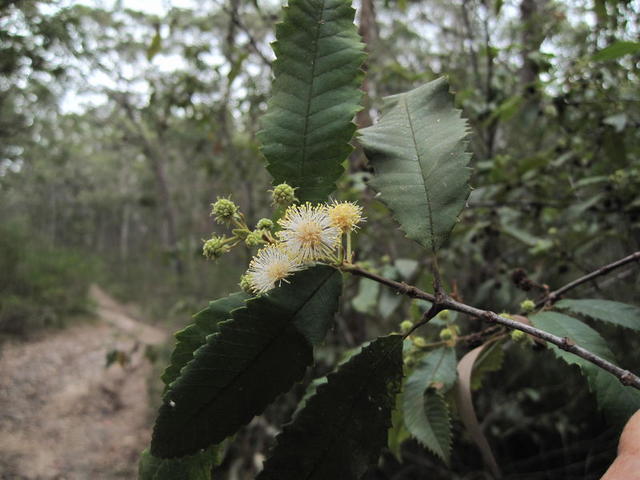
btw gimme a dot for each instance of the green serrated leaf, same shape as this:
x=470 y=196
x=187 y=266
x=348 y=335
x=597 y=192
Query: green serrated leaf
x=315 y=383
x=426 y=415
x=418 y=152
x=616 y=313
x=437 y=437
x=309 y=393
x=344 y=425
x=617 y=50
x=436 y=369
x=308 y=125
x=616 y=400
x=195 y=467
x=490 y=360
x=188 y=340
x=572 y=328
x=192 y=337
x=254 y=357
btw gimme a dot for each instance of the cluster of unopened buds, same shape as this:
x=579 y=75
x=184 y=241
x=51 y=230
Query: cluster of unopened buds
x=305 y=234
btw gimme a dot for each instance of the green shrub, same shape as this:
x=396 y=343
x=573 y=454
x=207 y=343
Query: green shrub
x=40 y=286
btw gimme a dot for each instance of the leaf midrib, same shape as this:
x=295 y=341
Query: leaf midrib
x=422 y=173
x=443 y=449
x=437 y=367
x=431 y=380
x=319 y=22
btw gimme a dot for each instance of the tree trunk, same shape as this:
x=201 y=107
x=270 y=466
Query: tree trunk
x=158 y=164
x=158 y=160
x=532 y=37
x=368 y=30
x=124 y=232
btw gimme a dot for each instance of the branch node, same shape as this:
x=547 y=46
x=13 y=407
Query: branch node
x=626 y=378
x=403 y=288
x=440 y=298
x=489 y=316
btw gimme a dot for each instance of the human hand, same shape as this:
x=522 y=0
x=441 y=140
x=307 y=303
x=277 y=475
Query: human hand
x=626 y=466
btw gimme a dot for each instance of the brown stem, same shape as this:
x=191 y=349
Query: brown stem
x=625 y=376
x=555 y=295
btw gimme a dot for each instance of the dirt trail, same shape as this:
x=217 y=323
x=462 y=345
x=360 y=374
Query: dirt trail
x=63 y=415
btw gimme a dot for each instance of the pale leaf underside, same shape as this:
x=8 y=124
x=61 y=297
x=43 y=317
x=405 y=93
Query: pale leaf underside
x=418 y=152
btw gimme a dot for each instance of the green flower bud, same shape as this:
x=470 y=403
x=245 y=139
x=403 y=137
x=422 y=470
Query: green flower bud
x=444 y=315
x=419 y=342
x=528 y=306
x=254 y=239
x=518 y=336
x=245 y=284
x=264 y=224
x=283 y=195
x=446 y=334
x=224 y=210
x=215 y=247
x=406 y=326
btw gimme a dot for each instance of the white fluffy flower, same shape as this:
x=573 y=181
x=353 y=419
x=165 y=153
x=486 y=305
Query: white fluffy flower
x=345 y=215
x=270 y=267
x=308 y=233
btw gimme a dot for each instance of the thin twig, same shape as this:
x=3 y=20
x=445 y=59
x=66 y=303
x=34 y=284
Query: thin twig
x=252 y=41
x=436 y=307
x=556 y=294
x=625 y=376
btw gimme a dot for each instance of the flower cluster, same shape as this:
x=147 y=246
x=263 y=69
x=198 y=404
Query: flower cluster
x=308 y=233
x=305 y=233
